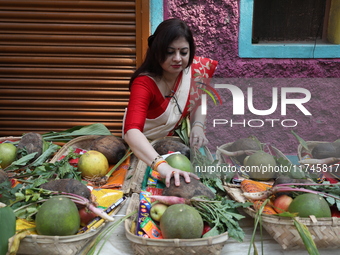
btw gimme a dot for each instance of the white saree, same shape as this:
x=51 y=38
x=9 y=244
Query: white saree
x=166 y=122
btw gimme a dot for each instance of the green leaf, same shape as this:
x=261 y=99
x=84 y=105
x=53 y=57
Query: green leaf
x=301 y=141
x=306 y=237
x=212 y=232
x=50 y=150
x=69 y=134
x=21 y=162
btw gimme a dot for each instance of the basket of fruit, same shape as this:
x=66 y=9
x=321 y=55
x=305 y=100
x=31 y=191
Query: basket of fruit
x=319 y=152
x=252 y=159
x=291 y=214
x=110 y=151
x=158 y=224
x=192 y=243
x=56 y=223
x=68 y=185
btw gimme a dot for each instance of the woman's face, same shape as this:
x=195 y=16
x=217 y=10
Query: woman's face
x=177 y=56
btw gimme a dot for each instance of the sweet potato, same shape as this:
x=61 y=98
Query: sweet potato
x=188 y=190
x=254 y=186
x=111 y=146
x=165 y=145
x=267 y=209
x=69 y=186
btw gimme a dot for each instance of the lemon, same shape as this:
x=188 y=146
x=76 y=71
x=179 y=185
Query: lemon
x=8 y=154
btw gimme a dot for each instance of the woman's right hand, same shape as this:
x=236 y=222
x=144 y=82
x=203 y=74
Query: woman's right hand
x=167 y=172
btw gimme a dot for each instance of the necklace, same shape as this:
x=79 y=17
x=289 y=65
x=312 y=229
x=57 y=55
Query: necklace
x=172 y=92
x=172 y=96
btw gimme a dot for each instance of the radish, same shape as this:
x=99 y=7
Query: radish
x=170 y=200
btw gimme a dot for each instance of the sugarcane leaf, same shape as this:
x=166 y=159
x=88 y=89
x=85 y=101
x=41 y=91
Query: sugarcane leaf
x=258 y=221
x=69 y=134
x=301 y=141
x=306 y=237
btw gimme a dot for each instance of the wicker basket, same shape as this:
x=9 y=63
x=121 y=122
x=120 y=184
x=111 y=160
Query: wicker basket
x=10 y=138
x=146 y=246
x=325 y=231
x=231 y=160
x=62 y=245
x=310 y=145
x=56 y=245
x=84 y=142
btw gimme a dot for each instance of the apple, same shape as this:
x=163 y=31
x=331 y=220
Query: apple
x=157 y=211
x=206 y=228
x=282 y=203
x=335 y=212
x=86 y=216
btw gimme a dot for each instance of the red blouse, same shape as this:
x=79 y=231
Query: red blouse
x=146 y=101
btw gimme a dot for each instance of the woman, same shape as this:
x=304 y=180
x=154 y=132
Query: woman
x=160 y=95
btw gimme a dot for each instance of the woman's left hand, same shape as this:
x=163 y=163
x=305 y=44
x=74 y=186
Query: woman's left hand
x=197 y=137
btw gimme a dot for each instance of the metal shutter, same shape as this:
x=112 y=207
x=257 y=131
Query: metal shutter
x=67 y=63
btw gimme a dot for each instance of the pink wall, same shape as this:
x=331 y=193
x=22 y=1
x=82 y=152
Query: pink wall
x=215 y=27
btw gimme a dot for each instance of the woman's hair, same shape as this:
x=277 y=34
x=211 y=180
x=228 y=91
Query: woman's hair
x=166 y=32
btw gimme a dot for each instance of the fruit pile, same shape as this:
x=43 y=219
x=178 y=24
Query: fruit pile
x=297 y=190
x=56 y=199
x=302 y=203
x=188 y=211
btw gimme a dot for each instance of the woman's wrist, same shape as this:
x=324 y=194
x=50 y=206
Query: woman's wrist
x=156 y=162
x=198 y=124
x=156 y=159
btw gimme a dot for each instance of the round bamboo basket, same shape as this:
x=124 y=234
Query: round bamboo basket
x=226 y=159
x=81 y=142
x=84 y=142
x=310 y=145
x=325 y=231
x=10 y=138
x=232 y=161
x=146 y=246
x=56 y=245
